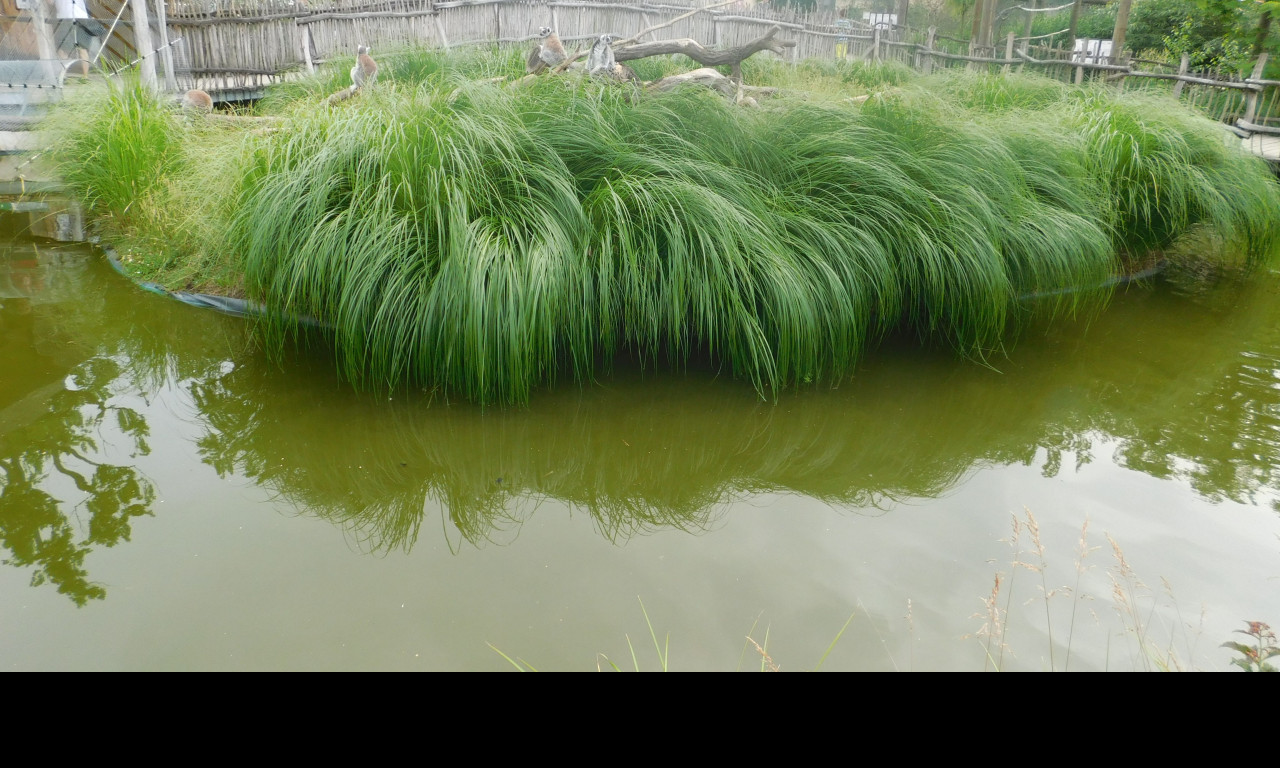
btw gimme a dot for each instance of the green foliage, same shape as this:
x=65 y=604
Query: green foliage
x=1151 y=21
x=869 y=75
x=1216 y=33
x=1254 y=658
x=997 y=93
x=115 y=146
x=1167 y=173
x=1095 y=22
x=1222 y=50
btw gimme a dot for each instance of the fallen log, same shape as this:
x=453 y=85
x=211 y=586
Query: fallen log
x=712 y=79
x=341 y=95
x=730 y=57
x=706 y=76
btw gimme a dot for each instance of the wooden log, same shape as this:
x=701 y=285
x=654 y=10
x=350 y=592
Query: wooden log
x=706 y=76
x=707 y=57
x=1252 y=127
x=341 y=95
x=710 y=78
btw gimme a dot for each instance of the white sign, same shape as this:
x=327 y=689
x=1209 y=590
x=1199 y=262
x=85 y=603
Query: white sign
x=1090 y=51
x=71 y=9
x=881 y=20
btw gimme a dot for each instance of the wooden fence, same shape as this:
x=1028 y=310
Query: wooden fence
x=224 y=45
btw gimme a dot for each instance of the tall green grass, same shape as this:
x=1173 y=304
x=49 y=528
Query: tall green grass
x=487 y=239
x=115 y=145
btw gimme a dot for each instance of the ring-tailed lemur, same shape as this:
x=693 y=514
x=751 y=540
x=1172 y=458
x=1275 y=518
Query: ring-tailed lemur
x=601 y=61
x=365 y=70
x=196 y=100
x=550 y=53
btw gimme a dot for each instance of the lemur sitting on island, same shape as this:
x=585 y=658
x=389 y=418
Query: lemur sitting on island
x=550 y=53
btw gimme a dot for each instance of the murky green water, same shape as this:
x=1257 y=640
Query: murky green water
x=172 y=500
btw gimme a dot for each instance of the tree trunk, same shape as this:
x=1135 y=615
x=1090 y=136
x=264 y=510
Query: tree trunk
x=1264 y=26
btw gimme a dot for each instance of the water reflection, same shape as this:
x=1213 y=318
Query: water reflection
x=1181 y=378
x=1185 y=385
x=79 y=363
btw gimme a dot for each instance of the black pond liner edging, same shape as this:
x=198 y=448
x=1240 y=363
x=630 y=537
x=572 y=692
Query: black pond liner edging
x=1113 y=282
x=247 y=308
x=224 y=304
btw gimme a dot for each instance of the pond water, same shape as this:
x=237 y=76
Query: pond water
x=173 y=499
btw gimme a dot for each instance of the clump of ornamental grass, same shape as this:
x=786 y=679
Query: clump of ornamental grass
x=525 y=231
x=155 y=179
x=1168 y=172
x=485 y=239
x=114 y=145
x=488 y=238
x=399 y=65
x=826 y=79
x=991 y=92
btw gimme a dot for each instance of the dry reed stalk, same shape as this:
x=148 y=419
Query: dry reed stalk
x=1082 y=551
x=993 y=628
x=1125 y=592
x=765 y=657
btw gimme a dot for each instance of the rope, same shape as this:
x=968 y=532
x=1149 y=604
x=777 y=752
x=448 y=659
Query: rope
x=1007 y=11
x=144 y=56
x=34 y=157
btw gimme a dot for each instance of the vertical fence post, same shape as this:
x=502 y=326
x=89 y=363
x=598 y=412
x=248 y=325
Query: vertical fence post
x=444 y=39
x=1008 y=52
x=988 y=26
x=926 y=65
x=975 y=34
x=1120 y=32
x=45 y=47
x=142 y=42
x=1251 y=101
x=1182 y=70
x=1026 y=33
x=166 y=53
x=975 y=30
x=304 y=46
x=875 y=44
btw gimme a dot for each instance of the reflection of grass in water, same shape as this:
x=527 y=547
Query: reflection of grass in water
x=674 y=453
x=634 y=462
